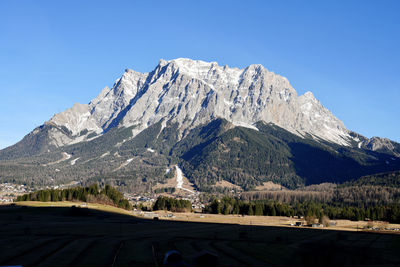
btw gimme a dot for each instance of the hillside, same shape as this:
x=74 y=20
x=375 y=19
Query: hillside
x=208 y=154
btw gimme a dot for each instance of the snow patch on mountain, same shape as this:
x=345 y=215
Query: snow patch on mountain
x=179 y=180
x=179 y=177
x=65 y=156
x=105 y=154
x=246 y=125
x=124 y=164
x=73 y=161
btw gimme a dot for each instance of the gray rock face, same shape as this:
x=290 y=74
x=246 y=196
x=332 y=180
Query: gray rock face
x=382 y=145
x=377 y=144
x=192 y=92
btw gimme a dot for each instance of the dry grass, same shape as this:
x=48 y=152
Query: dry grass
x=187 y=184
x=341 y=225
x=227 y=184
x=169 y=183
x=281 y=221
x=94 y=206
x=269 y=186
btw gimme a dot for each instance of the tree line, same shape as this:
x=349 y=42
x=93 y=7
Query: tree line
x=93 y=194
x=171 y=204
x=230 y=205
x=364 y=195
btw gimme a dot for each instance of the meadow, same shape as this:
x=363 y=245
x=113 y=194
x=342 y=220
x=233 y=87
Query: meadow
x=61 y=235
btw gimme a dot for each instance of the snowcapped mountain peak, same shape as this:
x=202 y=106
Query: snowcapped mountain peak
x=192 y=64
x=309 y=95
x=256 y=67
x=208 y=72
x=193 y=92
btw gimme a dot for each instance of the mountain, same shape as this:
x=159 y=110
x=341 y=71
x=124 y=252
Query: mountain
x=246 y=126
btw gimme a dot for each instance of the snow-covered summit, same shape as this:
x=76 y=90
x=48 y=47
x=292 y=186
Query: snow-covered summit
x=192 y=92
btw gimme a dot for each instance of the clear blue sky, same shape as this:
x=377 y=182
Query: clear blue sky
x=56 y=53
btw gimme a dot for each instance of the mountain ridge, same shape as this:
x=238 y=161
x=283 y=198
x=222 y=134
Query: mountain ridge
x=150 y=121
x=248 y=95
x=112 y=110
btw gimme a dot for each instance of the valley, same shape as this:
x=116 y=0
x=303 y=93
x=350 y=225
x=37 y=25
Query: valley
x=273 y=177
x=199 y=133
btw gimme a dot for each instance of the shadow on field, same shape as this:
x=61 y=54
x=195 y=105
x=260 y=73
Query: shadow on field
x=55 y=236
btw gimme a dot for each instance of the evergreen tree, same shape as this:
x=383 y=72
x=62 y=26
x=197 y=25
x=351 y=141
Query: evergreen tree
x=259 y=209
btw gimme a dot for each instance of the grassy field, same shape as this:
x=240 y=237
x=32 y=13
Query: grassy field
x=95 y=206
x=37 y=235
x=341 y=225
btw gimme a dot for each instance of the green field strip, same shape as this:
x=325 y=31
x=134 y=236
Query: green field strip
x=321 y=235
x=201 y=244
x=184 y=246
x=100 y=253
x=391 y=252
x=74 y=261
x=45 y=254
x=268 y=254
x=116 y=253
x=206 y=245
x=135 y=252
x=21 y=248
x=66 y=255
x=15 y=245
x=258 y=251
x=229 y=257
x=84 y=230
x=364 y=240
x=200 y=232
x=394 y=243
x=157 y=252
x=169 y=232
x=162 y=246
x=374 y=238
x=238 y=254
x=318 y=235
x=194 y=245
x=37 y=254
x=381 y=242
